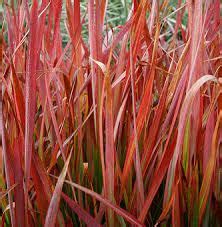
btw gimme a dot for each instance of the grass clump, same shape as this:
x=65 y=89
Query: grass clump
x=110 y=113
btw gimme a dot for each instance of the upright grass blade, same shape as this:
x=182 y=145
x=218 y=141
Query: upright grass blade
x=208 y=176
x=93 y=54
x=110 y=151
x=30 y=100
x=19 y=192
x=19 y=98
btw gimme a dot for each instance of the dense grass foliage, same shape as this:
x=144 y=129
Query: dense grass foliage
x=111 y=122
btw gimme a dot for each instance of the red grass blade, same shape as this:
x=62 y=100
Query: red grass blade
x=55 y=200
x=82 y=214
x=19 y=191
x=19 y=98
x=30 y=100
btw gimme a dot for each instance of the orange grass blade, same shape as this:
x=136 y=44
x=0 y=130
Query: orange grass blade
x=208 y=176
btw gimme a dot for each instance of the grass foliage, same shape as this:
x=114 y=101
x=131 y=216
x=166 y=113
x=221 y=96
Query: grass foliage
x=111 y=113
